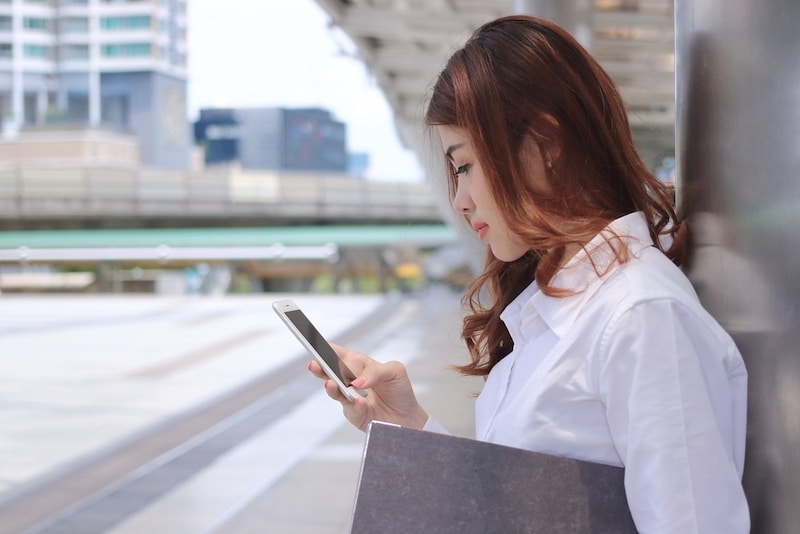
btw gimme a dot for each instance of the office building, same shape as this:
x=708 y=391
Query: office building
x=98 y=64
x=306 y=139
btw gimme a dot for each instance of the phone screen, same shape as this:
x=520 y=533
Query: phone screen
x=301 y=322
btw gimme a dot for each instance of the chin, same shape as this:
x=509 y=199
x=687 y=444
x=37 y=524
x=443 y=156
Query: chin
x=507 y=256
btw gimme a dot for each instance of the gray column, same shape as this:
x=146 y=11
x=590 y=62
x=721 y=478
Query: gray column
x=738 y=133
x=575 y=16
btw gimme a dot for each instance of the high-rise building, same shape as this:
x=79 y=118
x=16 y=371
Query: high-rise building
x=117 y=64
x=304 y=139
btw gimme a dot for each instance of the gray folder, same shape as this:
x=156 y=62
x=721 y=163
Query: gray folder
x=415 y=482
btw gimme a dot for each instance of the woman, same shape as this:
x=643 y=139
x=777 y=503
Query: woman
x=593 y=343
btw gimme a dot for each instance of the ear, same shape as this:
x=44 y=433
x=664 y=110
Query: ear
x=551 y=135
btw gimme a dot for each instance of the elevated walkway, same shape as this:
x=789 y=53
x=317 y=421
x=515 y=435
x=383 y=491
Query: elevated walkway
x=80 y=196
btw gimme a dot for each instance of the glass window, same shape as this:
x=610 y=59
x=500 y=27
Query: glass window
x=132 y=22
x=75 y=25
x=35 y=50
x=34 y=23
x=6 y=23
x=75 y=51
x=126 y=49
x=6 y=50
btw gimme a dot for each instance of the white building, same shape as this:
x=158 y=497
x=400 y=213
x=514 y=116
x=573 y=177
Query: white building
x=118 y=64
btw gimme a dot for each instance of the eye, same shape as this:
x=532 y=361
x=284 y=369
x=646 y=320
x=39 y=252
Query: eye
x=464 y=169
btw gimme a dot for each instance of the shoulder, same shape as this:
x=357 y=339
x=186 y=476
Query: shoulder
x=649 y=292
x=648 y=277
x=652 y=314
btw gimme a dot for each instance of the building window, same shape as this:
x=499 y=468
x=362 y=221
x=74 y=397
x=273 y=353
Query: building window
x=75 y=25
x=132 y=22
x=6 y=23
x=34 y=23
x=6 y=51
x=124 y=1
x=126 y=49
x=75 y=51
x=35 y=51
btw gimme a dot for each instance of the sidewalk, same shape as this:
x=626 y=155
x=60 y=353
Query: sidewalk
x=78 y=375
x=83 y=372
x=317 y=496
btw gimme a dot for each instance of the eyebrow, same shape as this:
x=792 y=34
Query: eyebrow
x=451 y=149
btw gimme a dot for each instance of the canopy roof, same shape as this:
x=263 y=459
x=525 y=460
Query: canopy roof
x=405 y=43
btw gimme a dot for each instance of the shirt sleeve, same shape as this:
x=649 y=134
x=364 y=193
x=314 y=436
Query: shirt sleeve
x=670 y=403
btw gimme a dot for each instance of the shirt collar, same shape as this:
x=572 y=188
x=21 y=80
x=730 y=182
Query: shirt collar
x=579 y=274
x=516 y=311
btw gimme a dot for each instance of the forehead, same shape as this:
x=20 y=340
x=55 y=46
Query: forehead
x=453 y=138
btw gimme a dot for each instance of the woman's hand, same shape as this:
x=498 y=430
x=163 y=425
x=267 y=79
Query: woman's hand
x=390 y=397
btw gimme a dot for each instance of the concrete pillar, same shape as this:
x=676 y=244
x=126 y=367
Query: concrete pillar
x=738 y=129
x=94 y=98
x=41 y=105
x=17 y=81
x=575 y=16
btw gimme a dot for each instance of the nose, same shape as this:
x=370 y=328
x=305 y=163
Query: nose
x=462 y=201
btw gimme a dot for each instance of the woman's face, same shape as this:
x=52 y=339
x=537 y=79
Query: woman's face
x=474 y=199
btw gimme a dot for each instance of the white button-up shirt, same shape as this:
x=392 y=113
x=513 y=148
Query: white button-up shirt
x=630 y=371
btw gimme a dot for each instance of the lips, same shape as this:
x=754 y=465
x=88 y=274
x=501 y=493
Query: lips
x=481 y=229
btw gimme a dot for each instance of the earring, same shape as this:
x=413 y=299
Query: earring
x=549 y=165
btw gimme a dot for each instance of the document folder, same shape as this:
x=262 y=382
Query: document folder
x=415 y=482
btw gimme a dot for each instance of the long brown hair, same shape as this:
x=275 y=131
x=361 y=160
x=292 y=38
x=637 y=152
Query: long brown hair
x=520 y=78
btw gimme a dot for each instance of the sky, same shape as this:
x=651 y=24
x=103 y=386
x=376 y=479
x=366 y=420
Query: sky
x=282 y=53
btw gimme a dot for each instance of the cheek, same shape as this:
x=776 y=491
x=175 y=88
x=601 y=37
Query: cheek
x=480 y=191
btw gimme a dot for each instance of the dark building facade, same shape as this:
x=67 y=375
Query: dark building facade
x=307 y=139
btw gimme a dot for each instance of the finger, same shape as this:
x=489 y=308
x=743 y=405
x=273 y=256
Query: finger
x=335 y=393
x=316 y=370
x=357 y=413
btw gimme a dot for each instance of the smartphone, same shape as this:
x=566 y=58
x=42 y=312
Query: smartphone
x=320 y=349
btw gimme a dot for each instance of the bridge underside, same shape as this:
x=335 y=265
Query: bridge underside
x=405 y=43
